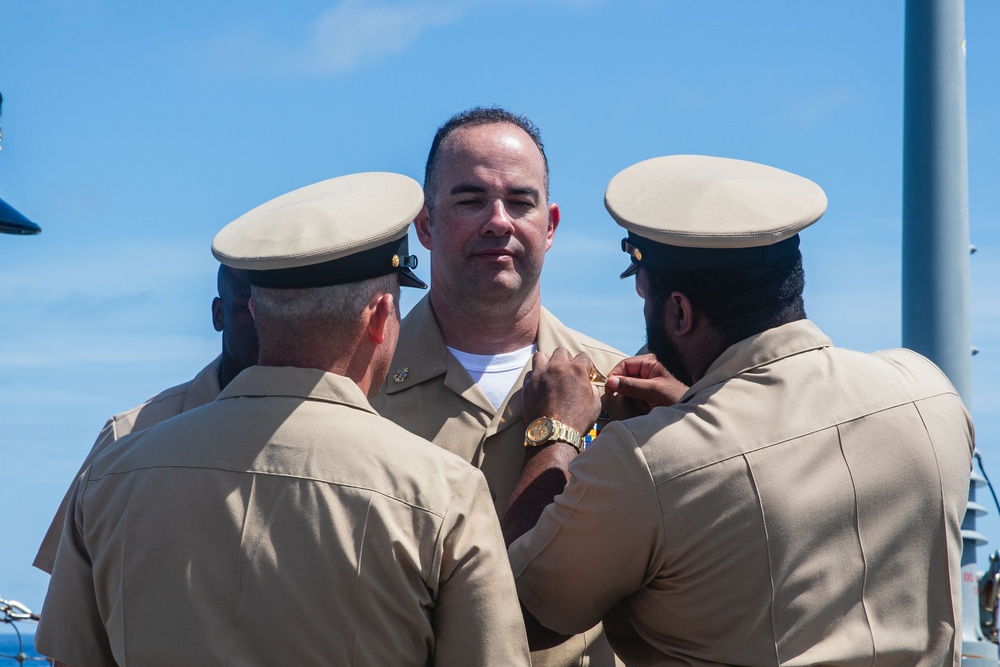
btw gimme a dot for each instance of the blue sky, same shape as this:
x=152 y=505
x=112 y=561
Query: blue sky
x=134 y=131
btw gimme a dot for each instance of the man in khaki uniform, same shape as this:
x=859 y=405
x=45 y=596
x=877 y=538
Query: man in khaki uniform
x=286 y=523
x=800 y=505
x=463 y=349
x=231 y=316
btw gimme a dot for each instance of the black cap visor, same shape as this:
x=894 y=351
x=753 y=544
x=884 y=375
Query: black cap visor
x=12 y=222
x=379 y=261
x=651 y=254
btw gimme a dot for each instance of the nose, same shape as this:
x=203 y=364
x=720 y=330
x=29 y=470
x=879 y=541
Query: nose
x=499 y=222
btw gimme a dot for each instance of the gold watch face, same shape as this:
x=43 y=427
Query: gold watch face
x=539 y=430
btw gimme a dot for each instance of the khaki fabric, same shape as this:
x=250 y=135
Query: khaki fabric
x=169 y=403
x=800 y=505
x=438 y=400
x=284 y=524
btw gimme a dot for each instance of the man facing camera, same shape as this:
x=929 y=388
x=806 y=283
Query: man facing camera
x=800 y=504
x=456 y=376
x=286 y=522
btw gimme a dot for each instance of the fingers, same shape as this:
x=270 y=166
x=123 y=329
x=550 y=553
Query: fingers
x=621 y=368
x=654 y=392
x=586 y=366
x=643 y=378
x=561 y=356
x=640 y=388
x=644 y=366
x=559 y=386
x=539 y=360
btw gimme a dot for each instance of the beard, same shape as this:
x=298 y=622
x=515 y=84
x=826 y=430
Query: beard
x=663 y=346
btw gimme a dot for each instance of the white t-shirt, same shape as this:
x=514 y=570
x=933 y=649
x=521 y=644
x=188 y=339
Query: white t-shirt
x=495 y=373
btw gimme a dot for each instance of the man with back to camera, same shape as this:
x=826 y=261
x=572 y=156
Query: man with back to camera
x=456 y=375
x=286 y=522
x=801 y=504
x=230 y=316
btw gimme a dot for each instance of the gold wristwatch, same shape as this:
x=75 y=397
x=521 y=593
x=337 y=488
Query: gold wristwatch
x=545 y=430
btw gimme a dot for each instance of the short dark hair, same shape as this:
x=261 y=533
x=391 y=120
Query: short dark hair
x=481 y=116
x=738 y=302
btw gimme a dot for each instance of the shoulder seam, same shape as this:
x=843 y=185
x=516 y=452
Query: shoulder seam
x=696 y=468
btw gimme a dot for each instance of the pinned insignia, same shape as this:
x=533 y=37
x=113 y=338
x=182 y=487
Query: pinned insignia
x=400 y=375
x=591 y=434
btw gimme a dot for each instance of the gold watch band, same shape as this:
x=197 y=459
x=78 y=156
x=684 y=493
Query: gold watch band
x=544 y=430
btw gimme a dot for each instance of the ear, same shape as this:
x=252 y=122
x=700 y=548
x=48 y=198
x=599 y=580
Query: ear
x=641 y=281
x=553 y=223
x=217 y=313
x=681 y=313
x=383 y=308
x=252 y=307
x=422 y=223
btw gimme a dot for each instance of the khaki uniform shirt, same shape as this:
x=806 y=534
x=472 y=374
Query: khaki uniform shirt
x=429 y=393
x=284 y=524
x=800 y=505
x=169 y=403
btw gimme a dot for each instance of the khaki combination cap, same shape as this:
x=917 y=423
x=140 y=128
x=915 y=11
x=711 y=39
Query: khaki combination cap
x=341 y=230
x=694 y=212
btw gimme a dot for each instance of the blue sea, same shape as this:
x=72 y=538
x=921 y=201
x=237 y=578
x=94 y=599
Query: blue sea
x=8 y=648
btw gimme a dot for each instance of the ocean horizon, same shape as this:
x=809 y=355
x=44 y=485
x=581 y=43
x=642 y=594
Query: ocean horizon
x=9 y=648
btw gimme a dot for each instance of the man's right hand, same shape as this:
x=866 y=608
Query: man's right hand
x=645 y=380
x=559 y=387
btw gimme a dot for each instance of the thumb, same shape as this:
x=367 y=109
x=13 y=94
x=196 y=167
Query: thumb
x=639 y=388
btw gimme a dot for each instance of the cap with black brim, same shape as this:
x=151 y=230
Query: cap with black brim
x=12 y=222
x=695 y=212
x=338 y=231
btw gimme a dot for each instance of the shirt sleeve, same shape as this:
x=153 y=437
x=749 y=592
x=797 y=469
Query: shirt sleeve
x=600 y=541
x=71 y=629
x=477 y=619
x=46 y=557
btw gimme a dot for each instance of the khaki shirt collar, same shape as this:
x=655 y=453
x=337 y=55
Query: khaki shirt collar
x=422 y=355
x=759 y=350
x=204 y=387
x=307 y=383
x=551 y=334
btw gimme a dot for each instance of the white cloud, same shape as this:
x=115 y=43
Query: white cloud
x=348 y=34
x=353 y=32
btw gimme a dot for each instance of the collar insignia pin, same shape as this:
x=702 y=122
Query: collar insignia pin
x=400 y=375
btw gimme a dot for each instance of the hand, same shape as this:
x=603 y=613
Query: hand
x=560 y=387
x=645 y=379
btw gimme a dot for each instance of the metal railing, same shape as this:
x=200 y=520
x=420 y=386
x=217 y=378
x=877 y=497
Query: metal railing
x=13 y=612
